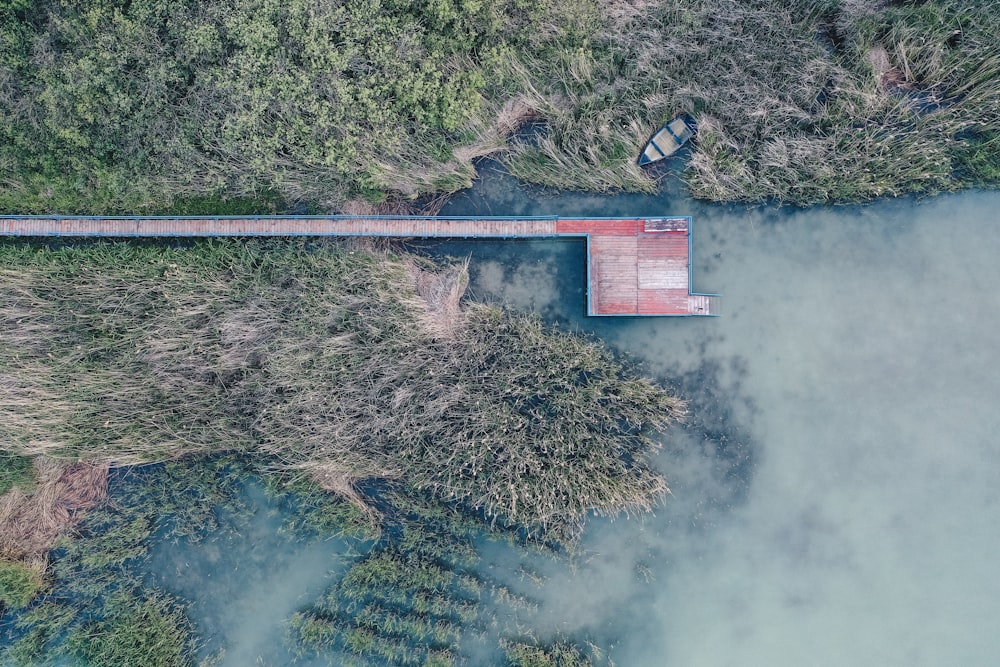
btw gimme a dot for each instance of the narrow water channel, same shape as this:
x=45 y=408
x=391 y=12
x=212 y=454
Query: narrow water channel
x=835 y=492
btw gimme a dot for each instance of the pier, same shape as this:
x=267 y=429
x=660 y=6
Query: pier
x=635 y=266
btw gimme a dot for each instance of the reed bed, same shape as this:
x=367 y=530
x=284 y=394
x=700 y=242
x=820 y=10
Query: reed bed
x=413 y=599
x=790 y=105
x=322 y=359
x=337 y=120
x=321 y=366
x=95 y=607
x=400 y=608
x=150 y=631
x=556 y=654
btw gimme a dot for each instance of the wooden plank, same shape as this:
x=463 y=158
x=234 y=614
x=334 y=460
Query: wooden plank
x=602 y=227
x=403 y=227
x=613 y=275
x=663 y=302
x=665 y=225
x=665 y=274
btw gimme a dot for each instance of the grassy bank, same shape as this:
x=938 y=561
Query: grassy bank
x=802 y=102
x=260 y=105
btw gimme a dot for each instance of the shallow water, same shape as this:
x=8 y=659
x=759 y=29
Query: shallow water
x=835 y=496
x=245 y=581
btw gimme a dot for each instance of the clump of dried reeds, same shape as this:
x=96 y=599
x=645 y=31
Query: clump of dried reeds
x=32 y=521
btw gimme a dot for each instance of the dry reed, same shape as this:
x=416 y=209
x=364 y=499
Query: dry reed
x=338 y=363
x=31 y=522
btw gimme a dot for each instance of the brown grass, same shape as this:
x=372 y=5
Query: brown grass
x=889 y=77
x=442 y=293
x=341 y=481
x=30 y=523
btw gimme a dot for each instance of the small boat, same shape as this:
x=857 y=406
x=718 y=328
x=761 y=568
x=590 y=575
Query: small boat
x=668 y=139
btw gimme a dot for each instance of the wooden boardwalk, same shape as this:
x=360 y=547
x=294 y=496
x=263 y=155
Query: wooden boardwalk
x=635 y=266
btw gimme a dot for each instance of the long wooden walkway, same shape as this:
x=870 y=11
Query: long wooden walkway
x=635 y=266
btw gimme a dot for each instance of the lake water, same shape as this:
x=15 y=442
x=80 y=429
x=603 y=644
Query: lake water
x=836 y=492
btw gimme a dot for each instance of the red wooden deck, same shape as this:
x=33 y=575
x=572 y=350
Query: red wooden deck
x=636 y=266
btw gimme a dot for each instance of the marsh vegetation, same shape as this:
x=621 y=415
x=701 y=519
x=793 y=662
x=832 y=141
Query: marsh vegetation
x=350 y=379
x=257 y=105
x=323 y=358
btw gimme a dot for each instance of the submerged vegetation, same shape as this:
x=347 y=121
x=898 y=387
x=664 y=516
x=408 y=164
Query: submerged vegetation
x=97 y=609
x=258 y=105
x=349 y=380
x=411 y=597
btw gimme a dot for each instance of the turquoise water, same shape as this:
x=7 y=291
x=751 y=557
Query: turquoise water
x=245 y=581
x=835 y=496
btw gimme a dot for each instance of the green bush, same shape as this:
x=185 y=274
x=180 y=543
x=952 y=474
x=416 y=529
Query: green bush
x=153 y=106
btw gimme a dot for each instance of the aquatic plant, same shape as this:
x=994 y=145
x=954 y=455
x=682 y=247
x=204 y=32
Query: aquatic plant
x=148 y=631
x=19 y=584
x=410 y=600
x=557 y=654
x=38 y=627
x=96 y=608
x=318 y=513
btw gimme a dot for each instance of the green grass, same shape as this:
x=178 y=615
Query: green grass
x=170 y=106
x=151 y=631
x=558 y=654
x=15 y=471
x=789 y=103
x=19 y=584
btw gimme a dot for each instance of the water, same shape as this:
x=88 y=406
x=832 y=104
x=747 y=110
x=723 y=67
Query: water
x=835 y=494
x=245 y=582
x=845 y=510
